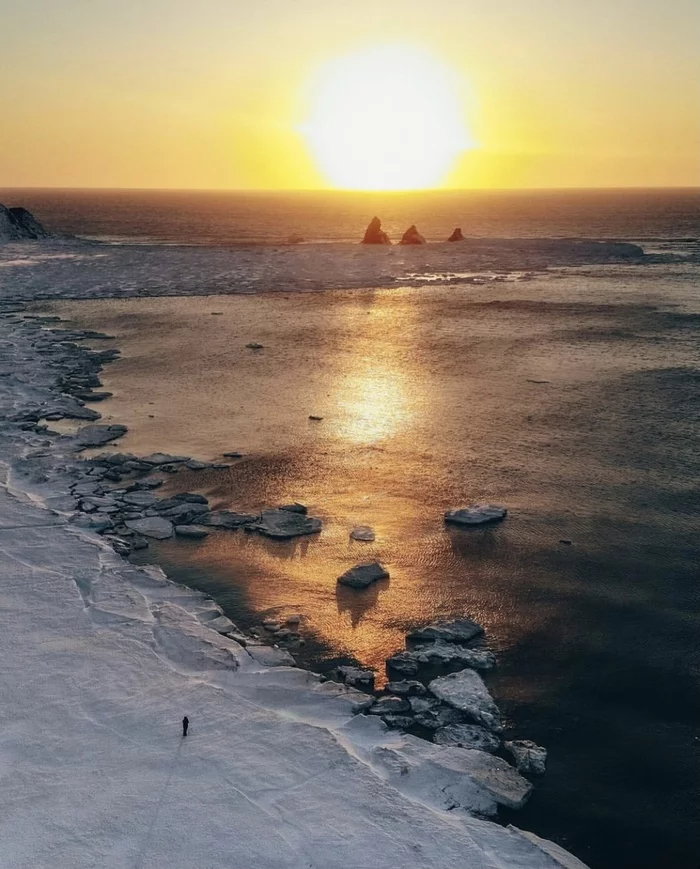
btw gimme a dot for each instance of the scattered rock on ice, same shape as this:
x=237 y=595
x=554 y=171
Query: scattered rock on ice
x=152 y=526
x=466 y=691
x=192 y=532
x=529 y=757
x=227 y=519
x=296 y=507
x=405 y=688
x=282 y=524
x=412 y=236
x=450 y=654
x=159 y=459
x=390 y=705
x=363 y=575
x=456 y=235
x=356 y=677
x=467 y=736
x=374 y=233
x=140 y=499
x=362 y=532
x=453 y=631
x=476 y=514
x=403 y=663
x=98 y=435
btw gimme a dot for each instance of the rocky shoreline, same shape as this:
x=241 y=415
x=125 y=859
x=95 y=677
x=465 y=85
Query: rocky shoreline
x=435 y=690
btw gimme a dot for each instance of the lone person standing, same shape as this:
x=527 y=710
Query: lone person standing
x=185 y=725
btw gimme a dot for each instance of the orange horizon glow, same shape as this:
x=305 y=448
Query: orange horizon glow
x=268 y=97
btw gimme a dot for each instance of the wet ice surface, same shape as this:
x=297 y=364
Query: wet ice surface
x=100 y=661
x=83 y=269
x=569 y=398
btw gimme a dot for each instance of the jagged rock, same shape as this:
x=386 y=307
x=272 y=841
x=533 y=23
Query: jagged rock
x=390 y=705
x=282 y=524
x=403 y=663
x=89 y=395
x=456 y=235
x=154 y=526
x=406 y=687
x=363 y=532
x=158 y=459
x=356 y=677
x=296 y=507
x=423 y=704
x=467 y=736
x=253 y=345
x=194 y=465
x=17 y=223
x=466 y=692
x=398 y=722
x=412 y=236
x=453 y=631
x=140 y=499
x=450 y=654
x=504 y=784
x=374 y=233
x=363 y=575
x=227 y=519
x=529 y=757
x=98 y=435
x=192 y=532
x=190 y=498
x=91 y=522
x=476 y=514
x=439 y=715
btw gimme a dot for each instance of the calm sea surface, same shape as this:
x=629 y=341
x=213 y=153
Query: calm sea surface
x=225 y=218
x=572 y=398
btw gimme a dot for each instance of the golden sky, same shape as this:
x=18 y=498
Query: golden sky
x=218 y=93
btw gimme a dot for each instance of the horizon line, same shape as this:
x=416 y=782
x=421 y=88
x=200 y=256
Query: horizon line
x=273 y=190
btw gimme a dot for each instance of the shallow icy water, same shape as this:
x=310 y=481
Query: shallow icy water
x=571 y=398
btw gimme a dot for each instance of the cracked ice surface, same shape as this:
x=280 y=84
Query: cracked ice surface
x=101 y=659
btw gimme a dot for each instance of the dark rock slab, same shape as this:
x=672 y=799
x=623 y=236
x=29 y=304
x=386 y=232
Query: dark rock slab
x=281 y=524
x=476 y=514
x=467 y=736
x=363 y=575
x=227 y=519
x=453 y=631
x=153 y=526
x=98 y=435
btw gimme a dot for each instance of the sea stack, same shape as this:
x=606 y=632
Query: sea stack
x=18 y=223
x=375 y=233
x=412 y=236
x=456 y=235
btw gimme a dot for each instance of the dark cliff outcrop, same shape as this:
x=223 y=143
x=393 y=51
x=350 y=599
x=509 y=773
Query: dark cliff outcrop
x=412 y=236
x=18 y=223
x=456 y=235
x=375 y=234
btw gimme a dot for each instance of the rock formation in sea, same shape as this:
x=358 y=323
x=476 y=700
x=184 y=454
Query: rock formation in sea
x=375 y=234
x=412 y=236
x=456 y=235
x=17 y=223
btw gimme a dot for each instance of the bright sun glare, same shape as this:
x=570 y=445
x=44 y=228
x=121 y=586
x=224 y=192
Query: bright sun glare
x=387 y=118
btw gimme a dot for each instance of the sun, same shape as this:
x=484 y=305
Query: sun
x=386 y=118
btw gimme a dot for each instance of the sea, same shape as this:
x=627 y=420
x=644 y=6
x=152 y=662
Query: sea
x=567 y=390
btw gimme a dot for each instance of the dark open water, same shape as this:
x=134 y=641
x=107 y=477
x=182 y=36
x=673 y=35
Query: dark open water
x=428 y=402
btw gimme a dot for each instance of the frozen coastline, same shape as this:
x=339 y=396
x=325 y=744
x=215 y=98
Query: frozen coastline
x=278 y=771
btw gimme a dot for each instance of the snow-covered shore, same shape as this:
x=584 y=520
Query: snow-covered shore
x=101 y=661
